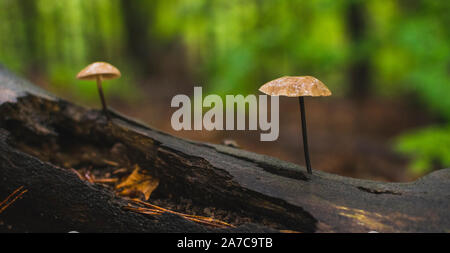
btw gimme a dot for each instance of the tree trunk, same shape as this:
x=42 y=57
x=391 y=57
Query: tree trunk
x=256 y=193
x=359 y=70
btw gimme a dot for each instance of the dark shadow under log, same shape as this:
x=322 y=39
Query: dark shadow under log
x=39 y=132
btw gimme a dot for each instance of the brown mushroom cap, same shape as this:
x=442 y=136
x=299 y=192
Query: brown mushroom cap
x=103 y=69
x=295 y=86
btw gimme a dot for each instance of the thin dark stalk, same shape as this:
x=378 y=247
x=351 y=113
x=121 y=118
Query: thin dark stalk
x=305 y=138
x=102 y=98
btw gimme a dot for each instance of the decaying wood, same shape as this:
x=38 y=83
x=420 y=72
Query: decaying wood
x=274 y=194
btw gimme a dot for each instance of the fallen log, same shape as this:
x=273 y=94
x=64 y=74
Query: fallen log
x=45 y=140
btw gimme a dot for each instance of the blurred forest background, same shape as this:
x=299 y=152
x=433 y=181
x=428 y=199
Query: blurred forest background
x=387 y=63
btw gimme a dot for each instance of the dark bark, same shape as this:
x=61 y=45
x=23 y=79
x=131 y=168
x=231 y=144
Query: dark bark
x=274 y=194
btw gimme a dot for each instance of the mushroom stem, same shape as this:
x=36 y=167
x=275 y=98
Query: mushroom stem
x=305 y=138
x=102 y=98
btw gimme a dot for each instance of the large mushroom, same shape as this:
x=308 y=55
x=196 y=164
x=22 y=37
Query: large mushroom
x=298 y=86
x=99 y=71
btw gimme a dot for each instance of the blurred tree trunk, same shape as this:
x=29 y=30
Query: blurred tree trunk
x=359 y=71
x=137 y=21
x=29 y=12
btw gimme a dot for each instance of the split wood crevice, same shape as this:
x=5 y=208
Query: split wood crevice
x=39 y=132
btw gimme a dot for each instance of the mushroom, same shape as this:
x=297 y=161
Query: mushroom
x=298 y=86
x=99 y=71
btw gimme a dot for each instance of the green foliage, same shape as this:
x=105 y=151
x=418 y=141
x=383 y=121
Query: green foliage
x=414 y=51
x=242 y=44
x=235 y=46
x=428 y=147
x=238 y=45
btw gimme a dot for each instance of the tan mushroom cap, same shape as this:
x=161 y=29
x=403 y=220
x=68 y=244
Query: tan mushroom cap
x=295 y=86
x=103 y=69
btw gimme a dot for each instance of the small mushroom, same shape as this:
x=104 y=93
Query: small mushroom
x=99 y=71
x=298 y=86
